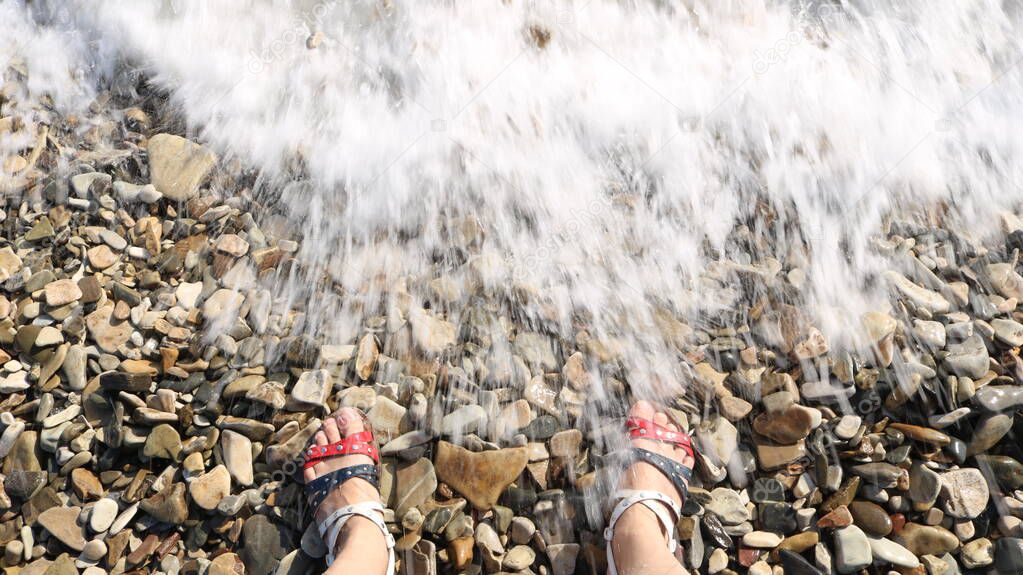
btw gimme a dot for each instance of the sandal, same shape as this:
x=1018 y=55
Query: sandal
x=317 y=490
x=677 y=473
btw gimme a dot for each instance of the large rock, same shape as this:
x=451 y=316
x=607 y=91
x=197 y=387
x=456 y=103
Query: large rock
x=237 y=452
x=168 y=506
x=210 y=488
x=311 y=390
x=62 y=523
x=263 y=545
x=787 y=426
x=432 y=335
x=852 y=549
x=965 y=492
x=927 y=539
x=888 y=551
x=415 y=484
x=106 y=331
x=177 y=167
x=480 y=477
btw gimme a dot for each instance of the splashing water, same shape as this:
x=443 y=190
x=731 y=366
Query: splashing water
x=607 y=166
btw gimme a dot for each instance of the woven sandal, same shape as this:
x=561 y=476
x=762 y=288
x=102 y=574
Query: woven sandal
x=317 y=490
x=667 y=514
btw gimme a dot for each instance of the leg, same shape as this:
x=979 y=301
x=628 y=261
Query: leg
x=361 y=546
x=637 y=548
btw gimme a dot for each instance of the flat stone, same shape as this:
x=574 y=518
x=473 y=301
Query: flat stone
x=94 y=551
x=847 y=426
x=107 y=332
x=852 y=549
x=223 y=303
x=187 y=294
x=926 y=539
x=1008 y=473
x=414 y=485
x=838 y=517
x=227 y=564
x=232 y=244
x=888 y=551
x=871 y=518
x=62 y=565
x=843 y=496
x=968 y=358
x=924 y=486
x=62 y=523
x=480 y=477
x=882 y=474
x=761 y=539
x=776 y=516
x=264 y=545
x=101 y=257
x=431 y=334
x=999 y=397
x=22 y=485
x=177 y=166
x=924 y=434
x=965 y=493
x=924 y=298
x=463 y=421
x=563 y=558
x=168 y=506
x=85 y=484
x=389 y=419
x=788 y=426
x=210 y=488
x=988 y=432
x=770 y=457
x=518 y=558
x=566 y=443
x=795 y=564
x=978 y=553
x=10 y=436
x=948 y=419
x=103 y=514
x=311 y=389
x=718 y=440
x=163 y=442
x=1008 y=331
x=237 y=452
x=728 y=506
x=542 y=396
x=405 y=442
x=1009 y=556
x=62 y=292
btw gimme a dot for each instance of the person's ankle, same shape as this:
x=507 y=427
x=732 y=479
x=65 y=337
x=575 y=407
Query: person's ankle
x=638 y=521
x=359 y=533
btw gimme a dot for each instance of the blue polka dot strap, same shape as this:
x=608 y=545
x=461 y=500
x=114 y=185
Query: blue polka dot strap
x=318 y=489
x=676 y=472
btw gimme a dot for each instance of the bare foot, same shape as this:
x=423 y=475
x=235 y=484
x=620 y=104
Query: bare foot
x=337 y=426
x=642 y=475
x=634 y=550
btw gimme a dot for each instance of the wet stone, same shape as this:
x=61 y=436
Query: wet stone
x=871 y=517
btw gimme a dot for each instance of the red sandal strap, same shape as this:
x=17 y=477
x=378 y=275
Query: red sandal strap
x=640 y=428
x=360 y=443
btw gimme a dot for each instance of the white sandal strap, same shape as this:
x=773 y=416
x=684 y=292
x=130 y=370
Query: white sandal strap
x=331 y=527
x=627 y=498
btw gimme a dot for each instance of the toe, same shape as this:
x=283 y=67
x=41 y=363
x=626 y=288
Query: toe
x=643 y=409
x=349 y=421
x=660 y=418
x=319 y=438
x=330 y=428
